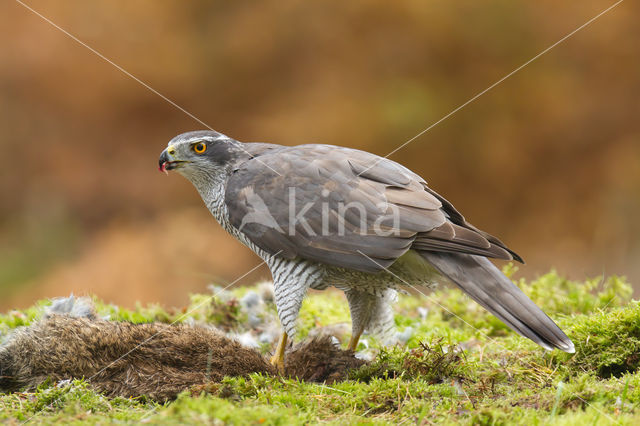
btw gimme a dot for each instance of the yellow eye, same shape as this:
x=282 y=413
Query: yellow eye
x=200 y=148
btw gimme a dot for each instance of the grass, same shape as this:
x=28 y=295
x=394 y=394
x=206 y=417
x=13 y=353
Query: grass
x=460 y=366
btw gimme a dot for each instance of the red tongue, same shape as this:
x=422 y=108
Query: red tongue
x=163 y=167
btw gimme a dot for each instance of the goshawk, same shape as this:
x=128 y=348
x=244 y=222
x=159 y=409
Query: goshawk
x=323 y=215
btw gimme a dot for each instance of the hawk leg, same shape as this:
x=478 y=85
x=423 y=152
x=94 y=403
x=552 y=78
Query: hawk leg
x=371 y=312
x=277 y=360
x=355 y=338
x=288 y=294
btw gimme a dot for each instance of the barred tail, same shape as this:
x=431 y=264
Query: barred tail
x=481 y=280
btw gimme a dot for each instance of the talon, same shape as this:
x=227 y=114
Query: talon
x=277 y=360
x=353 y=342
x=278 y=363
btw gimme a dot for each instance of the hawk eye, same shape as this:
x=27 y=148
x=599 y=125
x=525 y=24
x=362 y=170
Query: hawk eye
x=200 y=148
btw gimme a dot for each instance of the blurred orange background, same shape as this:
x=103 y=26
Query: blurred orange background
x=549 y=160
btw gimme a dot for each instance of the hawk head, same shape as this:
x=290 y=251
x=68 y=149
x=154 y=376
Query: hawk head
x=203 y=154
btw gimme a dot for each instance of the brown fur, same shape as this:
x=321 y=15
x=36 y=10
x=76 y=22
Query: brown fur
x=114 y=359
x=319 y=360
x=110 y=356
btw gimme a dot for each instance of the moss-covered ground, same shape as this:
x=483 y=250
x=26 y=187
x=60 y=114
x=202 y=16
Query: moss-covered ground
x=460 y=365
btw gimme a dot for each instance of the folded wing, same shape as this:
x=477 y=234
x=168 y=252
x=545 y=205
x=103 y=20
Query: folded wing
x=332 y=205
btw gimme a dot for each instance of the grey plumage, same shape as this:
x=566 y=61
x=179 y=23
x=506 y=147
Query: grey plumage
x=322 y=215
x=485 y=284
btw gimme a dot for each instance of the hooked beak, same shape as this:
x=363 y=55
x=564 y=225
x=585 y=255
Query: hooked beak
x=165 y=162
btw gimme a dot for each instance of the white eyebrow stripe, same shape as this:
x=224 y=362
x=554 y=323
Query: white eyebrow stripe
x=206 y=139
x=199 y=139
x=211 y=138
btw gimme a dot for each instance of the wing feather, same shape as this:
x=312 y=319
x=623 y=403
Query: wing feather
x=332 y=204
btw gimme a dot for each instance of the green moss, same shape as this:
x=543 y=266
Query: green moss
x=459 y=367
x=432 y=363
x=607 y=342
x=15 y=319
x=74 y=402
x=323 y=308
x=562 y=296
x=553 y=293
x=200 y=409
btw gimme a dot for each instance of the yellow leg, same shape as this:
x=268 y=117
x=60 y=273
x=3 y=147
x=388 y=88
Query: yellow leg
x=353 y=342
x=278 y=357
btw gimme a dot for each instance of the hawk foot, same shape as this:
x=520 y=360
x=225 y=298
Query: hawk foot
x=277 y=360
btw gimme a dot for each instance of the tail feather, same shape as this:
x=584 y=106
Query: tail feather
x=481 y=280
